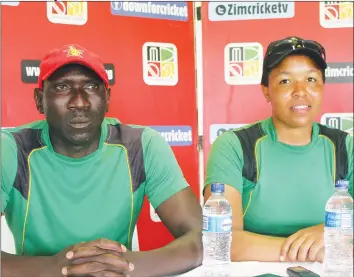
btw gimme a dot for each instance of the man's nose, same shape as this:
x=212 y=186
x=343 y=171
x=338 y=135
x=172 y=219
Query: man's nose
x=79 y=100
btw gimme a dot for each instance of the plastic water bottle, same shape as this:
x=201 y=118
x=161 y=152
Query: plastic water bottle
x=217 y=230
x=338 y=233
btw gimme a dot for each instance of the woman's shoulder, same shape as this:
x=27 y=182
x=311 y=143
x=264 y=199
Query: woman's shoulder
x=336 y=136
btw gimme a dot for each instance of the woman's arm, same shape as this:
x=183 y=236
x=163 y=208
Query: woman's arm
x=247 y=246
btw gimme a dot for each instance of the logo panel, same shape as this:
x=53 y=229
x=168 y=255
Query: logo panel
x=243 y=63
x=336 y=14
x=160 y=64
x=67 y=12
x=159 y=10
x=339 y=72
x=229 y=11
x=10 y=3
x=175 y=135
x=217 y=129
x=341 y=121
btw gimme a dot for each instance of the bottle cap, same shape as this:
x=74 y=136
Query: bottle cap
x=217 y=188
x=342 y=184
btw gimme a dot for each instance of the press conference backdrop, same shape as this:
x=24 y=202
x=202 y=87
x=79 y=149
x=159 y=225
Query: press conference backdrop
x=235 y=37
x=148 y=51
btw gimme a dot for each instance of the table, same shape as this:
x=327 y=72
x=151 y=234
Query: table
x=248 y=269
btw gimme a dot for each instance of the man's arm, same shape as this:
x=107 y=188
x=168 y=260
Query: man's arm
x=23 y=266
x=12 y=265
x=349 y=177
x=8 y=167
x=182 y=216
x=178 y=209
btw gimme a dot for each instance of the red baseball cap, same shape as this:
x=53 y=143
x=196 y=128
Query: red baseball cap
x=72 y=53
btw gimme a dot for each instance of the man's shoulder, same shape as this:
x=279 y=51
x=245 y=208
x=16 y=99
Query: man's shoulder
x=34 y=125
x=23 y=133
x=119 y=132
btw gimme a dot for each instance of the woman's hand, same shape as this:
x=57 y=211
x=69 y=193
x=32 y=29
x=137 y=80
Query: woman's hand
x=305 y=245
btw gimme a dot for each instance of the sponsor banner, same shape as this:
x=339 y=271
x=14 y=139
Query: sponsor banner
x=339 y=72
x=336 y=14
x=149 y=9
x=153 y=215
x=10 y=3
x=30 y=71
x=341 y=121
x=217 y=129
x=160 y=64
x=67 y=12
x=229 y=11
x=243 y=63
x=175 y=135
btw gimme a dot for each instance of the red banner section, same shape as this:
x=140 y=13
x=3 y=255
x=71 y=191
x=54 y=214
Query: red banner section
x=235 y=37
x=148 y=51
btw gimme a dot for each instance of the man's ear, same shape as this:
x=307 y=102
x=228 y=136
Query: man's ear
x=108 y=98
x=265 y=92
x=38 y=98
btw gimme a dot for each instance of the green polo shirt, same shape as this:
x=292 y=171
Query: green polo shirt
x=292 y=183
x=52 y=201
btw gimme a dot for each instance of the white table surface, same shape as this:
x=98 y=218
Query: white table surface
x=248 y=269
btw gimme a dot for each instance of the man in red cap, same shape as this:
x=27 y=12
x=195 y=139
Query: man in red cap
x=73 y=184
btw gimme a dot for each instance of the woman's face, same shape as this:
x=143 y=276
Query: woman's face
x=295 y=90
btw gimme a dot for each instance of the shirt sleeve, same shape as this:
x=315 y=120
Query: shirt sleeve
x=164 y=177
x=225 y=162
x=349 y=177
x=8 y=166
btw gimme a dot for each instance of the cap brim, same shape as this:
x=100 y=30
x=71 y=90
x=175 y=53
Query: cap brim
x=74 y=61
x=308 y=52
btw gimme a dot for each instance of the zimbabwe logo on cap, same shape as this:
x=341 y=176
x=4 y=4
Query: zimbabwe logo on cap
x=74 y=52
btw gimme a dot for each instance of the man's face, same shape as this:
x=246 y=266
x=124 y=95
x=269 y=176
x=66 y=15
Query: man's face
x=74 y=100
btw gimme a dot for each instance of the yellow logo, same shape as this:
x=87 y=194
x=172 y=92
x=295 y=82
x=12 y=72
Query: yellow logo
x=74 y=52
x=336 y=14
x=76 y=8
x=243 y=63
x=67 y=12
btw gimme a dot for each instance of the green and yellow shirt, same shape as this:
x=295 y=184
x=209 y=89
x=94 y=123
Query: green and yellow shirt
x=291 y=184
x=52 y=201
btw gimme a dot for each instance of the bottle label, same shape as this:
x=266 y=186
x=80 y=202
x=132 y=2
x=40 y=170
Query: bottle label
x=217 y=223
x=338 y=220
x=347 y=221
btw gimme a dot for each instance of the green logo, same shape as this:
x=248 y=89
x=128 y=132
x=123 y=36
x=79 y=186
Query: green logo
x=160 y=64
x=243 y=63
